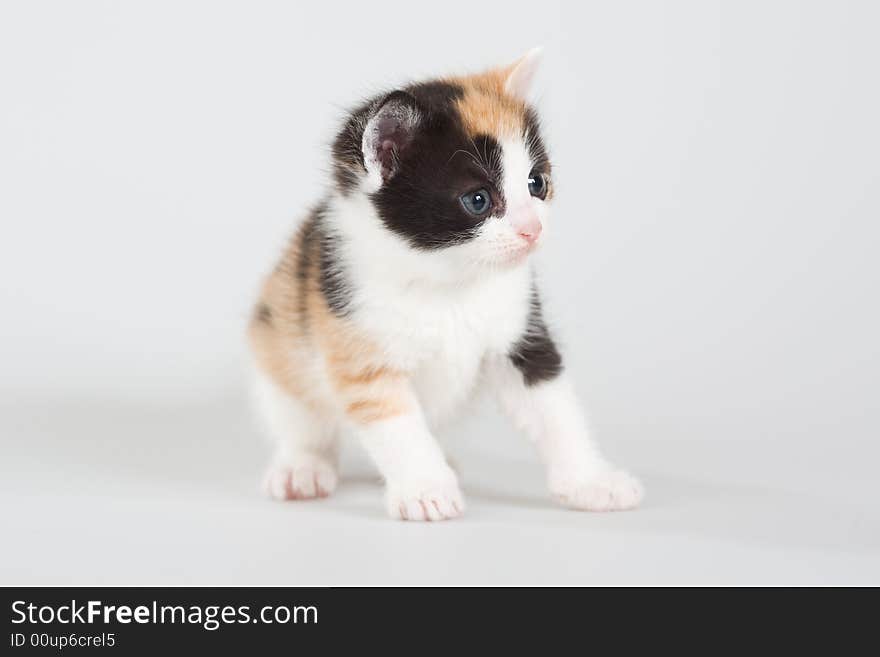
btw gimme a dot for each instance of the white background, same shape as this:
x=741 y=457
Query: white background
x=712 y=275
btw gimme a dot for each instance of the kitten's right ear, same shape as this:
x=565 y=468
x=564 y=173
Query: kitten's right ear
x=388 y=134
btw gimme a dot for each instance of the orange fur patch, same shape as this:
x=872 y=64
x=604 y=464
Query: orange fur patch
x=485 y=107
x=366 y=411
x=305 y=342
x=367 y=375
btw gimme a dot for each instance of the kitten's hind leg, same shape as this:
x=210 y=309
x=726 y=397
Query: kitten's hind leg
x=305 y=459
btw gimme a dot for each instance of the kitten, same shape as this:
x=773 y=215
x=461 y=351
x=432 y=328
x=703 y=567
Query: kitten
x=408 y=287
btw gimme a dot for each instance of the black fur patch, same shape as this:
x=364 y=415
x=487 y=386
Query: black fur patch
x=348 y=158
x=318 y=249
x=535 y=354
x=304 y=258
x=332 y=278
x=532 y=134
x=437 y=96
x=421 y=202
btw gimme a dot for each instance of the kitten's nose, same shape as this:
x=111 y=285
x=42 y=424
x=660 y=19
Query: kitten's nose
x=528 y=227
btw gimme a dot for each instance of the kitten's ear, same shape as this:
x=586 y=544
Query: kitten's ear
x=388 y=134
x=520 y=74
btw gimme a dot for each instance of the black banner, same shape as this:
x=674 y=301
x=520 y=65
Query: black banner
x=133 y=621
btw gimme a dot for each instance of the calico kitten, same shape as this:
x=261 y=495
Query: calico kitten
x=408 y=287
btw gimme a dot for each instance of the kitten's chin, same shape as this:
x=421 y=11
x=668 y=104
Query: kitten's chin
x=520 y=258
x=513 y=258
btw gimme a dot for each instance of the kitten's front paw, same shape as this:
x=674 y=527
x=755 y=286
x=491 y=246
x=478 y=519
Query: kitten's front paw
x=437 y=502
x=304 y=479
x=613 y=490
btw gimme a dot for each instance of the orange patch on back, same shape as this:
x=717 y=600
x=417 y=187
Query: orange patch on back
x=305 y=340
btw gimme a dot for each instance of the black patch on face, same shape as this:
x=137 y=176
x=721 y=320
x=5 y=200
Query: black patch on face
x=318 y=255
x=537 y=150
x=421 y=203
x=535 y=354
x=263 y=314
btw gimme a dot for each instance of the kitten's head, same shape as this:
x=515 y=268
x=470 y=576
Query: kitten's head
x=454 y=165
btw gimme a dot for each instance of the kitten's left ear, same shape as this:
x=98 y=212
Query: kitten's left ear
x=519 y=75
x=388 y=134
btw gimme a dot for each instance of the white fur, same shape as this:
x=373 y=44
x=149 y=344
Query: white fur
x=305 y=461
x=549 y=414
x=420 y=484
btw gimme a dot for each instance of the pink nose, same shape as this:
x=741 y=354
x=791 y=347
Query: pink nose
x=528 y=227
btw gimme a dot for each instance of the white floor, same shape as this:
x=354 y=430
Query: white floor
x=138 y=494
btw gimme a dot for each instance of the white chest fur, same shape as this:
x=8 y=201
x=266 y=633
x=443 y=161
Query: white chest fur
x=442 y=334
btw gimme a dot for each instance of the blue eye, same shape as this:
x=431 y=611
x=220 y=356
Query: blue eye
x=538 y=185
x=477 y=203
